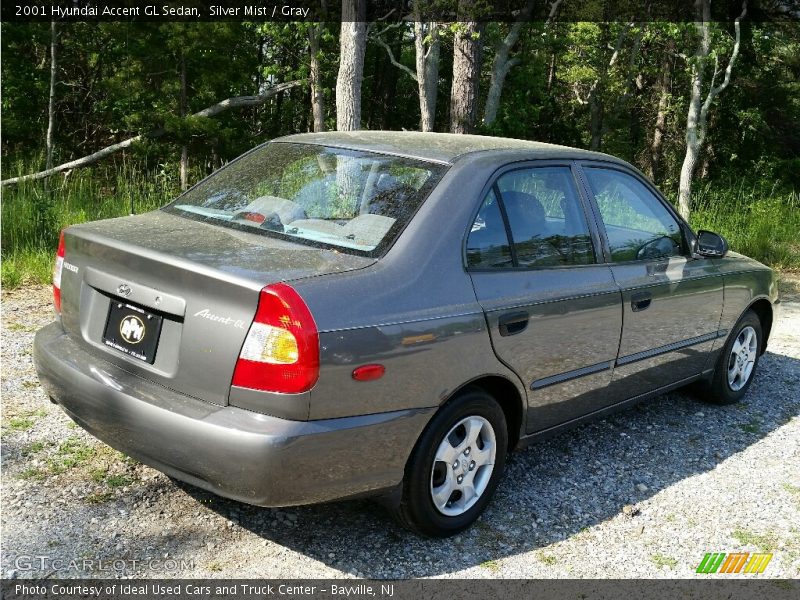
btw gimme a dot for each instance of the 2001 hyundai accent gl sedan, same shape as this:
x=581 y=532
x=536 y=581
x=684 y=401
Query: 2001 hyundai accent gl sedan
x=388 y=314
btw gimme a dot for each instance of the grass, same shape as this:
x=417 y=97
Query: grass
x=661 y=560
x=32 y=217
x=21 y=327
x=765 y=542
x=99 y=497
x=33 y=448
x=547 y=559
x=491 y=565
x=70 y=453
x=24 y=421
x=792 y=489
x=757 y=218
x=754 y=426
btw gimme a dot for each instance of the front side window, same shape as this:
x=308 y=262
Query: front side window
x=350 y=200
x=638 y=226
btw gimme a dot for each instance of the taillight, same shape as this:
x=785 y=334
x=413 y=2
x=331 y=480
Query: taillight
x=57 y=274
x=281 y=351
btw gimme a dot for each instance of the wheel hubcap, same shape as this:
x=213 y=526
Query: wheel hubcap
x=742 y=358
x=463 y=466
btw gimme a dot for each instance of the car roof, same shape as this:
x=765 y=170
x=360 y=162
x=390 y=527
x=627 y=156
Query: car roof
x=440 y=147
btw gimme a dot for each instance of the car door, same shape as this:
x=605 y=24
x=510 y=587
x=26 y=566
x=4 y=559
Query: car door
x=671 y=301
x=553 y=309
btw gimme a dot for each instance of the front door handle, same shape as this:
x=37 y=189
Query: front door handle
x=513 y=323
x=641 y=301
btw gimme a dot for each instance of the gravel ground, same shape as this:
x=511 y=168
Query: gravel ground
x=644 y=493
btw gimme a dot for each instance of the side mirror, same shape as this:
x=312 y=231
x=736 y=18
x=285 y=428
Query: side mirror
x=710 y=244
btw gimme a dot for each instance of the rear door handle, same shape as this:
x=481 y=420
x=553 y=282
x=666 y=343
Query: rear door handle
x=513 y=323
x=641 y=301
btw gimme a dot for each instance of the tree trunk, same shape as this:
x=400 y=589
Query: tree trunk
x=427 y=71
x=500 y=68
x=51 y=107
x=654 y=167
x=353 y=44
x=502 y=64
x=595 y=97
x=697 y=116
x=467 y=47
x=694 y=129
x=184 y=148
x=317 y=99
x=388 y=87
x=595 y=122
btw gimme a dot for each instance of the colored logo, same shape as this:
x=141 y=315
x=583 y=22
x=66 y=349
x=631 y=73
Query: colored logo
x=734 y=562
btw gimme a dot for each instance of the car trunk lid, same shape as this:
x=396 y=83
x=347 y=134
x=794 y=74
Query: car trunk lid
x=199 y=282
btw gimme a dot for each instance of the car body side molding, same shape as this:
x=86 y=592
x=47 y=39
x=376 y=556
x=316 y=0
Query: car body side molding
x=574 y=374
x=624 y=360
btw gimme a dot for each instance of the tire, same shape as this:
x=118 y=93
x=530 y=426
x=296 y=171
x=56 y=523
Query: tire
x=471 y=431
x=737 y=362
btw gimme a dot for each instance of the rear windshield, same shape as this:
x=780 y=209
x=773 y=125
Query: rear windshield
x=346 y=199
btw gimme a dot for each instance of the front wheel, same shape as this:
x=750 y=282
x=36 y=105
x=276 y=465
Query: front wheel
x=738 y=360
x=455 y=466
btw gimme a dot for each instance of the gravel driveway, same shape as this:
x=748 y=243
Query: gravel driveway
x=645 y=493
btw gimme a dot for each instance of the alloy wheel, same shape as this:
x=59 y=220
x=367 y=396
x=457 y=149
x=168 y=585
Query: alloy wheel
x=742 y=358
x=463 y=465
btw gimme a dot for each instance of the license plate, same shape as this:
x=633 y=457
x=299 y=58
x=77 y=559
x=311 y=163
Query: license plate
x=133 y=330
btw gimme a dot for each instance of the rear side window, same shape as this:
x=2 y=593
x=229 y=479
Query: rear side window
x=638 y=225
x=546 y=219
x=350 y=200
x=487 y=244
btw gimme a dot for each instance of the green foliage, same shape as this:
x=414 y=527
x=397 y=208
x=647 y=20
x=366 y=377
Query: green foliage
x=757 y=218
x=32 y=217
x=572 y=83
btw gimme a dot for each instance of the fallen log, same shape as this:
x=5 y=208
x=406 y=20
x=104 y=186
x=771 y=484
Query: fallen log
x=228 y=103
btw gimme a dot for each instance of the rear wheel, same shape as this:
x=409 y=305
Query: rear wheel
x=455 y=466
x=737 y=363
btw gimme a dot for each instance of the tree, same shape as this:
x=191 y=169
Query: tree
x=464 y=92
x=659 y=128
x=697 y=117
x=427 y=46
x=315 y=76
x=210 y=111
x=353 y=45
x=594 y=96
x=51 y=106
x=182 y=109
x=502 y=63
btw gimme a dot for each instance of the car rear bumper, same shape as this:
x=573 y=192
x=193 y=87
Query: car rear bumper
x=232 y=452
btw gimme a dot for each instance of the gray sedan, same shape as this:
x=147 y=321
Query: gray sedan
x=389 y=314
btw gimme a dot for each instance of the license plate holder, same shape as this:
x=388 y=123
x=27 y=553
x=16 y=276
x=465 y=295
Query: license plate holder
x=133 y=331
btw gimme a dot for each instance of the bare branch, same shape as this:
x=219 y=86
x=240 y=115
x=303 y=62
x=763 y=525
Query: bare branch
x=713 y=91
x=553 y=9
x=735 y=52
x=385 y=29
x=393 y=60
